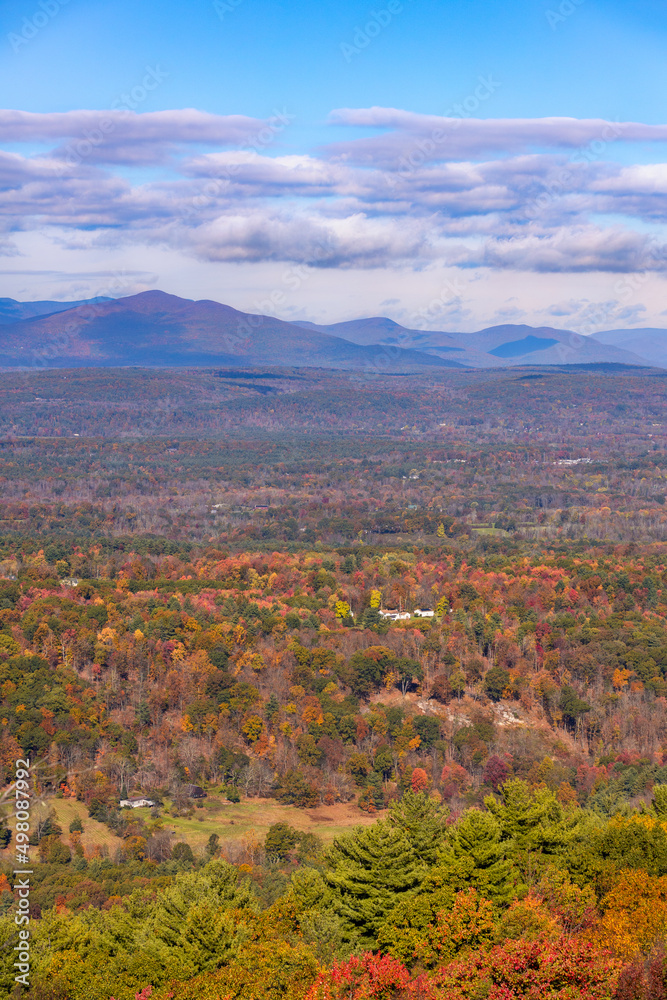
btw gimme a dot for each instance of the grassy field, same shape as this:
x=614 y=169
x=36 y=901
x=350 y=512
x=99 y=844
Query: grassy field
x=94 y=833
x=245 y=821
x=253 y=817
x=489 y=529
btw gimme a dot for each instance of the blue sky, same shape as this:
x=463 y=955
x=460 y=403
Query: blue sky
x=602 y=60
x=535 y=222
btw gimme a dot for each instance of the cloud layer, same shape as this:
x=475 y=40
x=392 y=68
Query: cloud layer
x=462 y=136
x=541 y=195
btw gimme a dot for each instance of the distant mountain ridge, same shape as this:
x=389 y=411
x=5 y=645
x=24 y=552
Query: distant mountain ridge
x=155 y=329
x=493 y=347
x=648 y=342
x=160 y=330
x=12 y=311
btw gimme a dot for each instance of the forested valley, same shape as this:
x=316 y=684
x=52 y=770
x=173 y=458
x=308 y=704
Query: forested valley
x=377 y=666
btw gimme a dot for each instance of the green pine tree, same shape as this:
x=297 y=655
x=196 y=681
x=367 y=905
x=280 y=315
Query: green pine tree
x=532 y=821
x=272 y=709
x=309 y=891
x=369 y=871
x=660 y=801
x=476 y=857
x=209 y=938
x=423 y=820
x=192 y=918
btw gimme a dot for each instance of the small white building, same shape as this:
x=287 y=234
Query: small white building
x=135 y=803
x=424 y=613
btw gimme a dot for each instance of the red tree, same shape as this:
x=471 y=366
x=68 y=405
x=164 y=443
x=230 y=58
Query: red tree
x=419 y=780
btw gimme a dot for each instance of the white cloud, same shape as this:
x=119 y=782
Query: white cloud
x=124 y=136
x=500 y=206
x=185 y=125
x=587 y=248
x=416 y=138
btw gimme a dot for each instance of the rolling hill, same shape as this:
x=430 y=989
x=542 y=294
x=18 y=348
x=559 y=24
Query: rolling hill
x=155 y=329
x=160 y=330
x=493 y=347
x=648 y=342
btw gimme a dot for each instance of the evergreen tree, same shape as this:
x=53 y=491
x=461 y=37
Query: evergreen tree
x=192 y=918
x=373 y=620
x=423 y=820
x=213 y=845
x=209 y=938
x=476 y=857
x=223 y=879
x=272 y=709
x=495 y=682
x=309 y=891
x=183 y=852
x=143 y=714
x=280 y=841
x=532 y=821
x=369 y=871
x=660 y=801
x=572 y=706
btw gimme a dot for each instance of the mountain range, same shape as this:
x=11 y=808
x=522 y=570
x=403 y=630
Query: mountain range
x=493 y=347
x=11 y=310
x=160 y=330
x=648 y=342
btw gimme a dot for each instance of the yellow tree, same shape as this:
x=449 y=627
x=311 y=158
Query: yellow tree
x=635 y=914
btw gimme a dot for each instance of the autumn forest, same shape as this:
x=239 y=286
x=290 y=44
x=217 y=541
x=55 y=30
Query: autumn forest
x=336 y=684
